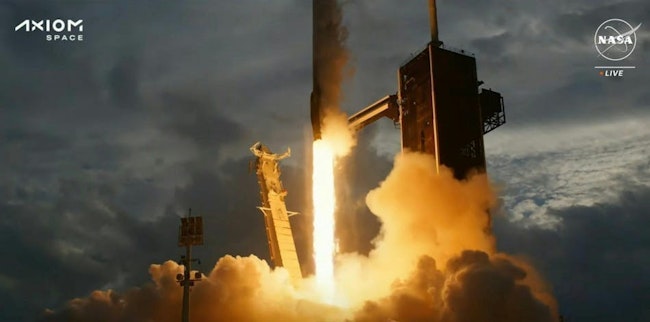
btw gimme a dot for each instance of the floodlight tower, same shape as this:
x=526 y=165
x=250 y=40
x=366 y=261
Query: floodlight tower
x=190 y=233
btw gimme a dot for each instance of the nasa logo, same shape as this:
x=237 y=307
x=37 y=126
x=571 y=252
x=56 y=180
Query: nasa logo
x=615 y=39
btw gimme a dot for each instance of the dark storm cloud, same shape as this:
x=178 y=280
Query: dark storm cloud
x=597 y=261
x=80 y=241
x=580 y=25
x=30 y=47
x=578 y=95
x=557 y=47
x=194 y=117
x=494 y=47
x=123 y=82
x=196 y=45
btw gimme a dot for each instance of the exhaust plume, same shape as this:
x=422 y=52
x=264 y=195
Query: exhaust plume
x=433 y=260
x=333 y=138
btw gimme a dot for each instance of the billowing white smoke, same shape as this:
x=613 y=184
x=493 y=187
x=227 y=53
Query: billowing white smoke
x=433 y=261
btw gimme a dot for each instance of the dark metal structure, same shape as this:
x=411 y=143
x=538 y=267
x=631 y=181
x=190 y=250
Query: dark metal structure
x=190 y=233
x=439 y=108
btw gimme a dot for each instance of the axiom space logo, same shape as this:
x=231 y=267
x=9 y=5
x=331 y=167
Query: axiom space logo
x=55 y=30
x=615 y=40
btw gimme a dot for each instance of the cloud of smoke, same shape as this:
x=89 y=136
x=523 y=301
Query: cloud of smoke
x=237 y=289
x=422 y=213
x=473 y=286
x=433 y=260
x=337 y=132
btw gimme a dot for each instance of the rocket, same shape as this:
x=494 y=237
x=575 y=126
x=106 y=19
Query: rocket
x=316 y=113
x=315 y=100
x=328 y=58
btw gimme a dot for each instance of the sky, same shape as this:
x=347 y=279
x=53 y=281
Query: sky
x=105 y=143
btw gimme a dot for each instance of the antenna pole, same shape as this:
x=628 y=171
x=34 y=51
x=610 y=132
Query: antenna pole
x=433 y=22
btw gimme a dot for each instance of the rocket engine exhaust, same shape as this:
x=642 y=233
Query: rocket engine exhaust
x=332 y=136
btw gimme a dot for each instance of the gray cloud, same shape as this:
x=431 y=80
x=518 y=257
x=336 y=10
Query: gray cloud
x=594 y=164
x=596 y=261
x=123 y=82
x=197 y=120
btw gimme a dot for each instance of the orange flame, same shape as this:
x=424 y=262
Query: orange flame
x=324 y=205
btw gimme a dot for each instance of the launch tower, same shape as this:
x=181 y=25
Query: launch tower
x=439 y=108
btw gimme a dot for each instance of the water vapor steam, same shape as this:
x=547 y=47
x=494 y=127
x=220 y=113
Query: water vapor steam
x=433 y=261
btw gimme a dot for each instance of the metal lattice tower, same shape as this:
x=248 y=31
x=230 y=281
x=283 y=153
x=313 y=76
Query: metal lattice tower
x=276 y=217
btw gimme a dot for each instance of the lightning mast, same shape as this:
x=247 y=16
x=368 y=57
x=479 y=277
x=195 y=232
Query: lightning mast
x=276 y=217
